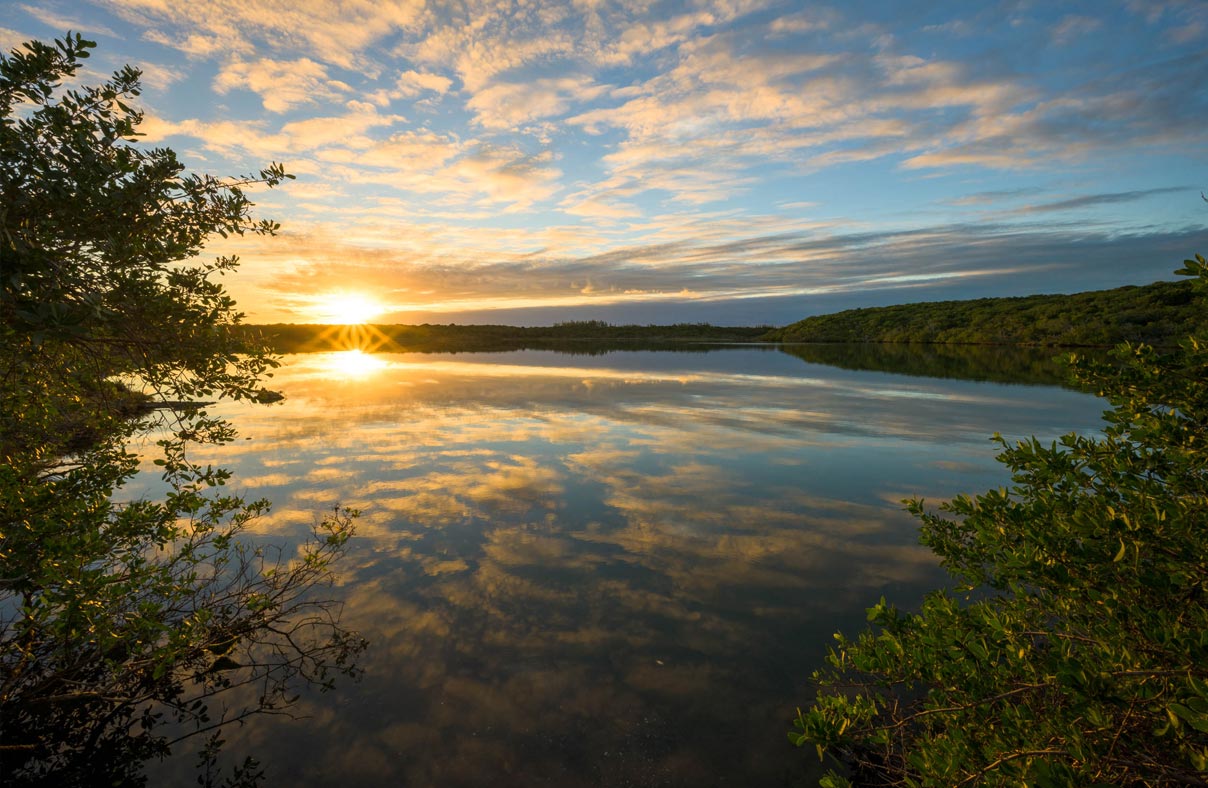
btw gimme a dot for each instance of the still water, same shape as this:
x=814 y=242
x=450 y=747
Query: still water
x=613 y=570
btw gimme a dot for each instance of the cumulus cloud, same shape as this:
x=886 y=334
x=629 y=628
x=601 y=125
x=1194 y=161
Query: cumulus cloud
x=412 y=83
x=346 y=131
x=334 y=31
x=281 y=84
x=511 y=105
x=160 y=77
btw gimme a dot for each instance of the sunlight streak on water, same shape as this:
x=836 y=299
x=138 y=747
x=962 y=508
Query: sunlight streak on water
x=352 y=363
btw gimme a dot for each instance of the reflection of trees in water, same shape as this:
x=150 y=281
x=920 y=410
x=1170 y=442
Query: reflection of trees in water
x=999 y=364
x=127 y=626
x=150 y=649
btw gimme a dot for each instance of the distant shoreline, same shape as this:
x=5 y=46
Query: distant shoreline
x=1158 y=314
x=584 y=337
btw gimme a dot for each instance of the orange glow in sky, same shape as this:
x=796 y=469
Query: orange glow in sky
x=347 y=308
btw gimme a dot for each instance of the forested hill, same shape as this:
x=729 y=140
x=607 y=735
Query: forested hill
x=1161 y=313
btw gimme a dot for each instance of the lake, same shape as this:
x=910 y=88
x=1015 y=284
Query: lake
x=604 y=570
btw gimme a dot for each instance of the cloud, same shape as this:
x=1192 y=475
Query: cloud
x=160 y=77
x=1091 y=200
x=281 y=84
x=408 y=151
x=993 y=196
x=346 y=131
x=1074 y=26
x=11 y=39
x=642 y=38
x=479 y=44
x=62 y=23
x=225 y=40
x=412 y=83
x=1184 y=20
x=511 y=105
x=1158 y=105
x=333 y=31
x=954 y=27
x=801 y=22
x=600 y=208
x=721 y=104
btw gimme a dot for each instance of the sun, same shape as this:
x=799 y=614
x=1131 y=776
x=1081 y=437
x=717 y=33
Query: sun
x=348 y=308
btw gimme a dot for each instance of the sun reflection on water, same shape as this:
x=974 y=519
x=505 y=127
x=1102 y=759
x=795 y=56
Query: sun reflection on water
x=353 y=364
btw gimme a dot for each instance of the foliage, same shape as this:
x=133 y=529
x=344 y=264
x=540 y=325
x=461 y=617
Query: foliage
x=1158 y=314
x=122 y=622
x=1078 y=650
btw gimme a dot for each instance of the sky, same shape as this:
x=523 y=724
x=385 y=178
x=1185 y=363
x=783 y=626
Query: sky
x=723 y=161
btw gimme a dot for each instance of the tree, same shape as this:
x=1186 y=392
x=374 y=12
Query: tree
x=1075 y=650
x=122 y=623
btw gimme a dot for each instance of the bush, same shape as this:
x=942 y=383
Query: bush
x=1075 y=650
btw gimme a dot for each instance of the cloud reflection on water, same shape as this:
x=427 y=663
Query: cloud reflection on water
x=604 y=571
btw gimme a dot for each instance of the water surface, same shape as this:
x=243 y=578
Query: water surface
x=604 y=570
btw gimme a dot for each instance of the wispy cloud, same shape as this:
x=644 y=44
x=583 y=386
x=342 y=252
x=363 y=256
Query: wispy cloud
x=1074 y=26
x=993 y=196
x=62 y=23
x=1157 y=105
x=1091 y=200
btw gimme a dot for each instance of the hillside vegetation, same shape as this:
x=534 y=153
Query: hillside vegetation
x=1158 y=314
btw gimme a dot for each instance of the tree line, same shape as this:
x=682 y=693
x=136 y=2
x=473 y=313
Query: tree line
x=572 y=336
